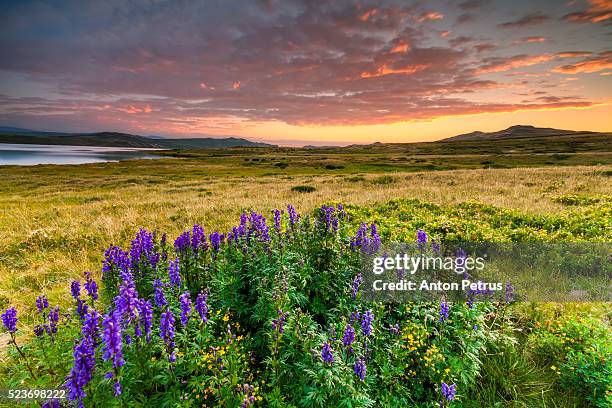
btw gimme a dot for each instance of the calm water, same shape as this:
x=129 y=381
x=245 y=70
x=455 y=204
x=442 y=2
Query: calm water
x=28 y=155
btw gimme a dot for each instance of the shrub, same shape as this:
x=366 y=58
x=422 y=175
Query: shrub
x=266 y=314
x=589 y=374
x=383 y=180
x=303 y=189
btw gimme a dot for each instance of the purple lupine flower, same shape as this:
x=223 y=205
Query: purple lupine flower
x=185 y=301
x=366 y=323
x=146 y=317
x=355 y=285
x=461 y=254
x=201 y=306
x=160 y=298
x=127 y=299
x=52 y=403
x=360 y=368
x=115 y=256
x=53 y=320
x=81 y=308
x=91 y=327
x=421 y=238
x=449 y=392
x=82 y=370
x=294 y=217
x=326 y=217
x=143 y=248
x=332 y=333
x=166 y=332
x=443 y=311
x=241 y=230
x=278 y=324
x=39 y=330
x=374 y=239
x=248 y=401
x=259 y=228
x=367 y=243
x=215 y=240
x=113 y=345
x=182 y=242
x=198 y=238
x=335 y=224
x=117 y=388
x=475 y=327
x=359 y=238
x=163 y=240
x=9 y=319
x=91 y=286
x=75 y=290
x=509 y=292
x=341 y=211
x=395 y=329
x=174 y=270
x=327 y=354
x=42 y=303
x=436 y=248
x=349 y=335
x=277 y=221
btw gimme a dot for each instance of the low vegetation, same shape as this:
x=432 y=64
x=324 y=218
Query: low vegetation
x=278 y=306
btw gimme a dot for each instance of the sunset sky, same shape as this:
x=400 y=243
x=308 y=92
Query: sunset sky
x=306 y=72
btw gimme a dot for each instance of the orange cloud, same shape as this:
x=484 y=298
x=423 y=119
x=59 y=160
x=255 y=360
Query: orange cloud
x=518 y=61
x=429 y=16
x=445 y=34
x=599 y=63
x=528 y=40
x=370 y=13
x=236 y=85
x=400 y=47
x=573 y=54
x=386 y=70
x=135 y=109
x=598 y=12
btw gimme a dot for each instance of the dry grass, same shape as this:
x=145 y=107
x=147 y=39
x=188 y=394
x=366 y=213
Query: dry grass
x=53 y=231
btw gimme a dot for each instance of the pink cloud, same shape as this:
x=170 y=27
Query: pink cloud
x=601 y=62
x=518 y=61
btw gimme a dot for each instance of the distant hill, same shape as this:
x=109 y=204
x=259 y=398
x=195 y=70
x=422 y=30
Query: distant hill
x=114 y=139
x=515 y=132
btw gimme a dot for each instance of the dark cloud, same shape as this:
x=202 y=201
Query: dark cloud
x=466 y=18
x=473 y=4
x=526 y=21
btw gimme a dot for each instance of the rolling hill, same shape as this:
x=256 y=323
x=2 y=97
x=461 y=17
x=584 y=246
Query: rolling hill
x=114 y=139
x=515 y=132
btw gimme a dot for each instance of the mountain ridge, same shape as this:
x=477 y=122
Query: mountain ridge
x=118 y=139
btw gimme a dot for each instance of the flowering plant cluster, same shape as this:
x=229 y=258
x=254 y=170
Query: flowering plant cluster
x=265 y=314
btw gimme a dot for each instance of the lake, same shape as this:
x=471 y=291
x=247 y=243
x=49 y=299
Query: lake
x=31 y=154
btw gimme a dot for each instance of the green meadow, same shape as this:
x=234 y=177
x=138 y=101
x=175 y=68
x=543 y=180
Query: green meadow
x=57 y=221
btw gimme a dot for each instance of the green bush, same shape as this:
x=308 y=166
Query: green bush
x=304 y=189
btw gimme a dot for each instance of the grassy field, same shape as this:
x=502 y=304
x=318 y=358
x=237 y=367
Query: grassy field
x=56 y=220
